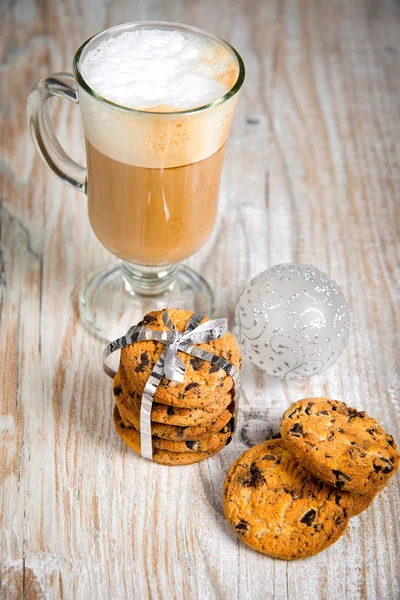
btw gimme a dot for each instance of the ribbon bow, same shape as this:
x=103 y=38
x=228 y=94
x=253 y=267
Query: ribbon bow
x=169 y=364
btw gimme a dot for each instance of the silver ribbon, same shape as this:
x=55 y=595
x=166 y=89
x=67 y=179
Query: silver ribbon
x=169 y=364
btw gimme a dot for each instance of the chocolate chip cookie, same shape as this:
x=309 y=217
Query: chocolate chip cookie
x=340 y=445
x=222 y=424
x=278 y=508
x=131 y=437
x=203 y=381
x=206 y=443
x=173 y=415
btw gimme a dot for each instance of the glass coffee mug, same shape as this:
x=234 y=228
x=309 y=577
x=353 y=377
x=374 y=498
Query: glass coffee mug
x=152 y=181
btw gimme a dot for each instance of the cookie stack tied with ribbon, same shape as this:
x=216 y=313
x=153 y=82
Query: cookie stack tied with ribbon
x=292 y=496
x=177 y=386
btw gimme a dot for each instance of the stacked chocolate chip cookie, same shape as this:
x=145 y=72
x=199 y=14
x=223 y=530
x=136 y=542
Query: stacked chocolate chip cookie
x=192 y=420
x=292 y=496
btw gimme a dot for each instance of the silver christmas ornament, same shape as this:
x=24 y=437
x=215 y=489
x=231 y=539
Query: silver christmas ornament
x=293 y=321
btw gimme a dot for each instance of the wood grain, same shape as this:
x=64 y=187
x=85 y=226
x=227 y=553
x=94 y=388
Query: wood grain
x=311 y=175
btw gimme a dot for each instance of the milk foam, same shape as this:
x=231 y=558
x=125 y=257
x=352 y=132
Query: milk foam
x=159 y=72
x=152 y=69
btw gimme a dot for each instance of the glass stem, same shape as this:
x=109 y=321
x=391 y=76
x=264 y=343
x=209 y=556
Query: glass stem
x=148 y=281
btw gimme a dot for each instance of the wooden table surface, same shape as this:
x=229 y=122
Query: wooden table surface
x=311 y=175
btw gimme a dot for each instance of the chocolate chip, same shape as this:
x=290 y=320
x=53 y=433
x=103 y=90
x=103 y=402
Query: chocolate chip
x=242 y=526
x=387 y=466
x=309 y=517
x=149 y=319
x=297 y=430
x=144 y=362
x=122 y=426
x=371 y=432
x=388 y=469
x=228 y=441
x=390 y=441
x=308 y=407
x=196 y=363
x=340 y=476
x=337 y=499
x=193 y=445
x=322 y=412
x=268 y=457
x=214 y=368
x=276 y=436
x=296 y=410
x=355 y=413
x=117 y=391
x=181 y=432
x=170 y=411
x=254 y=478
x=191 y=386
x=340 y=430
x=144 y=359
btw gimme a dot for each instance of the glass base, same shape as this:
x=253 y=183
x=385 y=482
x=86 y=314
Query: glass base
x=111 y=302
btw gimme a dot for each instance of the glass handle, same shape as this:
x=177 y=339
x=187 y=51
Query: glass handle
x=43 y=136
